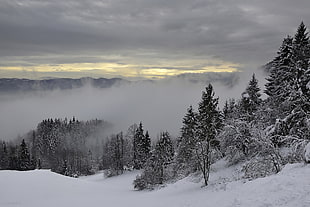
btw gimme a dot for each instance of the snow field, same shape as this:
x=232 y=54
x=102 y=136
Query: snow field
x=289 y=188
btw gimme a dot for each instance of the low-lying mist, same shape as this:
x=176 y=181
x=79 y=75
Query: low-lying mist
x=159 y=105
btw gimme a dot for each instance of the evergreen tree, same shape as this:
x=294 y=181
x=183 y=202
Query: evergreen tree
x=163 y=153
x=230 y=110
x=186 y=143
x=251 y=97
x=116 y=153
x=142 y=147
x=13 y=158
x=225 y=110
x=24 y=157
x=209 y=124
x=154 y=169
x=301 y=49
x=65 y=169
x=130 y=145
x=34 y=150
x=288 y=92
x=146 y=145
x=278 y=84
x=289 y=75
x=4 y=158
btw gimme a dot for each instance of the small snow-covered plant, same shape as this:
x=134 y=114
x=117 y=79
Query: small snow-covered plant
x=111 y=172
x=298 y=146
x=232 y=143
x=307 y=153
x=266 y=160
x=259 y=167
x=140 y=183
x=293 y=149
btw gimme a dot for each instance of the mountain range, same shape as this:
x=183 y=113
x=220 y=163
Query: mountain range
x=24 y=85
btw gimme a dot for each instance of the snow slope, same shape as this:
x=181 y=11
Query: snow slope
x=291 y=187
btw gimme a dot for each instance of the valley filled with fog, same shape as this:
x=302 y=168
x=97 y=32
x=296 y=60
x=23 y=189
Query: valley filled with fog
x=160 y=104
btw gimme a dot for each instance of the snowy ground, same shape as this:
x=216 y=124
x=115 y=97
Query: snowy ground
x=291 y=187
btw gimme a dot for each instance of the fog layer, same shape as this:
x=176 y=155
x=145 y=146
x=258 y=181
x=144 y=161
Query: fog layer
x=160 y=105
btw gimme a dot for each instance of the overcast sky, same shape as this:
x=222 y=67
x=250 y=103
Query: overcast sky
x=144 y=38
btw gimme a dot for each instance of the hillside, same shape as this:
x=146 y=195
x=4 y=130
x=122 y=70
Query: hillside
x=289 y=188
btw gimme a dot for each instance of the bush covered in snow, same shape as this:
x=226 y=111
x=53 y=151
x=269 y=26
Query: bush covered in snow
x=307 y=153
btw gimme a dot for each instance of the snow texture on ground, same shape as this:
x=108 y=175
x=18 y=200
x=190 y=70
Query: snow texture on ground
x=289 y=188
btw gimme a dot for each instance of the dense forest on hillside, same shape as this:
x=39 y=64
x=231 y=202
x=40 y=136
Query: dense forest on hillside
x=264 y=135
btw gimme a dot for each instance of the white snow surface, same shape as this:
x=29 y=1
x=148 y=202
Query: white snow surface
x=291 y=187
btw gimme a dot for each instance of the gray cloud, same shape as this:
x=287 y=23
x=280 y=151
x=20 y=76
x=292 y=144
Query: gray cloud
x=240 y=31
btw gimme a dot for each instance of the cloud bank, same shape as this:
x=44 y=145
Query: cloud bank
x=159 y=105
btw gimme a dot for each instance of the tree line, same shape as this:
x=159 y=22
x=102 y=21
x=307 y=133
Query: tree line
x=70 y=147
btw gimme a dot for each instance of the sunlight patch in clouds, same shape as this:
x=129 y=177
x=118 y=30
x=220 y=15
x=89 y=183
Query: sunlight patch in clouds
x=106 y=69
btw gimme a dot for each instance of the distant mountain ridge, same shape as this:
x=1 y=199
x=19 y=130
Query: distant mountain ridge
x=13 y=85
x=24 y=85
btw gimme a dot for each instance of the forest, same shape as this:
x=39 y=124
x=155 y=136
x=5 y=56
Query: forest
x=262 y=134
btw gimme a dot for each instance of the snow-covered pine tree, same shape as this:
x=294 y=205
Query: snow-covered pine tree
x=289 y=95
x=164 y=152
x=142 y=147
x=231 y=110
x=301 y=57
x=117 y=154
x=4 y=158
x=130 y=145
x=225 y=110
x=24 y=157
x=186 y=160
x=209 y=124
x=146 y=146
x=278 y=84
x=251 y=100
x=289 y=76
x=154 y=168
x=301 y=53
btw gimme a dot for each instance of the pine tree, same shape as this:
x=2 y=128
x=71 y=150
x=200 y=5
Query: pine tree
x=34 y=150
x=13 y=158
x=130 y=145
x=289 y=75
x=209 y=124
x=225 y=110
x=142 y=147
x=278 y=84
x=154 y=168
x=164 y=153
x=288 y=91
x=4 y=158
x=301 y=49
x=146 y=146
x=251 y=97
x=230 y=110
x=24 y=157
x=186 y=143
x=117 y=154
